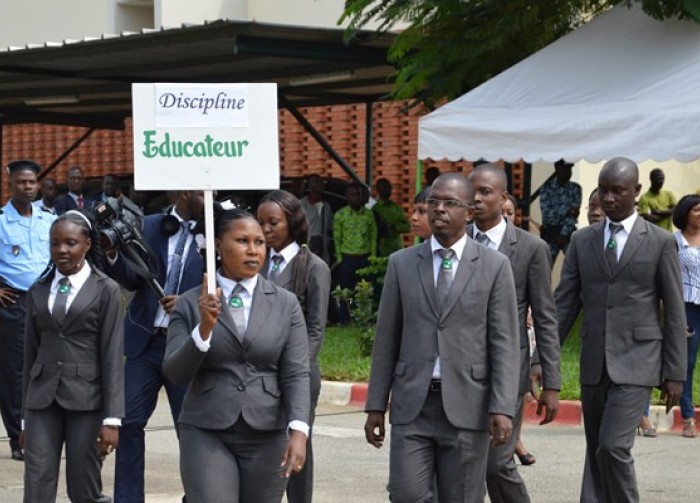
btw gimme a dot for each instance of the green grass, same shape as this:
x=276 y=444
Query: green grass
x=340 y=357
x=340 y=360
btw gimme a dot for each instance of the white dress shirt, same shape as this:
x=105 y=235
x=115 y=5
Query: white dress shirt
x=622 y=234
x=495 y=234
x=161 y=319
x=288 y=253
x=458 y=248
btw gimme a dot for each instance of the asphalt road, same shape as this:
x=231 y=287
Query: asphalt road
x=348 y=470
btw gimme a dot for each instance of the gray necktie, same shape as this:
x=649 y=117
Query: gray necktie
x=611 y=247
x=482 y=238
x=59 y=305
x=235 y=304
x=445 y=275
x=275 y=269
x=172 y=279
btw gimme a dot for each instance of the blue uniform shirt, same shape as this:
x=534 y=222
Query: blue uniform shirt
x=24 y=246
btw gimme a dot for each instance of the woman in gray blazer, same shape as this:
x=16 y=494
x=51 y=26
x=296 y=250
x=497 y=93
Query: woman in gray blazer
x=243 y=352
x=291 y=265
x=73 y=389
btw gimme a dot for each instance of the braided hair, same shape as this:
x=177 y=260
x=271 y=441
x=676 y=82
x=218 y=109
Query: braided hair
x=298 y=227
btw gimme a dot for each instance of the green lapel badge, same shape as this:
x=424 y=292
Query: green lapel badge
x=64 y=289
x=446 y=264
x=235 y=302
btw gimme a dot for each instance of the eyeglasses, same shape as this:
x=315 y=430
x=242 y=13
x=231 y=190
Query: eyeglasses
x=449 y=204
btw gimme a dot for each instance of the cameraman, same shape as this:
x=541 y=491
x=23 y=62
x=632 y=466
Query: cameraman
x=145 y=328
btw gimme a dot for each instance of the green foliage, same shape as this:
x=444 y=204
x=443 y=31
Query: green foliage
x=376 y=269
x=362 y=312
x=451 y=46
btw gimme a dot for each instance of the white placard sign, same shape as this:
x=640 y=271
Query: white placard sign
x=205 y=136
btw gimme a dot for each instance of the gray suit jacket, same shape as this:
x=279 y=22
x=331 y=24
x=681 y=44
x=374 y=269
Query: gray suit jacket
x=622 y=310
x=264 y=378
x=81 y=363
x=531 y=264
x=476 y=337
x=314 y=301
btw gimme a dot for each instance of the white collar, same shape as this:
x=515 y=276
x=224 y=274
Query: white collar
x=458 y=247
x=227 y=285
x=77 y=280
x=288 y=252
x=495 y=233
x=627 y=223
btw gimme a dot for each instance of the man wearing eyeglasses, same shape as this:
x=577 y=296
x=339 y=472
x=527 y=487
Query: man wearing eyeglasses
x=446 y=346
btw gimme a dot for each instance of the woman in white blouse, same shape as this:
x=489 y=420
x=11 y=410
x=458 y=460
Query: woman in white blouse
x=686 y=217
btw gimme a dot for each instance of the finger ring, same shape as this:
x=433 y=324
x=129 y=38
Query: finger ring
x=110 y=448
x=299 y=467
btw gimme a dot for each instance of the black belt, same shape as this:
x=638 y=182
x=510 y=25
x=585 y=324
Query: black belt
x=435 y=385
x=160 y=331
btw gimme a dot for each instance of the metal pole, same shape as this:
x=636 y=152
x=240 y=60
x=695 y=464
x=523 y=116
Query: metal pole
x=67 y=152
x=369 y=141
x=320 y=139
x=527 y=199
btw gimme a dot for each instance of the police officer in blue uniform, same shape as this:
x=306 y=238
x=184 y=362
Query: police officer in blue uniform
x=24 y=255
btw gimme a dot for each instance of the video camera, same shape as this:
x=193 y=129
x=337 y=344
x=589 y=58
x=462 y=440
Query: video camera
x=119 y=224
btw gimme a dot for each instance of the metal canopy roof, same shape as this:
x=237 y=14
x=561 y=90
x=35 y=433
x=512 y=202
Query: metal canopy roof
x=88 y=82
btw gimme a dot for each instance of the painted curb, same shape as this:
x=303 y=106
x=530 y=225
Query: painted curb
x=355 y=395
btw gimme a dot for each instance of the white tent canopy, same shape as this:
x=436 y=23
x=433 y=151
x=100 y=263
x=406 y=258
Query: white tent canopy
x=622 y=85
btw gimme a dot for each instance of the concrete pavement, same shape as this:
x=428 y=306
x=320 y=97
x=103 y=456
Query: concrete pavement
x=348 y=470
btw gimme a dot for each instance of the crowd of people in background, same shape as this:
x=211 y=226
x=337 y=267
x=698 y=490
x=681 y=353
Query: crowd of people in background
x=470 y=302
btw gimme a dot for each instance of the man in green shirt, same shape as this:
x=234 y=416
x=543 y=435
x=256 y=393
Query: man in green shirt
x=391 y=220
x=656 y=205
x=355 y=235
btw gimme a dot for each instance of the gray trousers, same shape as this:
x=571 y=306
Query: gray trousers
x=430 y=446
x=301 y=485
x=46 y=431
x=504 y=483
x=238 y=464
x=611 y=413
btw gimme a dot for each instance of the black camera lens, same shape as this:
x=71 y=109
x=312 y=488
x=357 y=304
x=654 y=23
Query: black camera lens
x=108 y=238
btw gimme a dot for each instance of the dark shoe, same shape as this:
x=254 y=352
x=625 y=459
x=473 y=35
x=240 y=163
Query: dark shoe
x=689 y=428
x=17 y=455
x=527 y=459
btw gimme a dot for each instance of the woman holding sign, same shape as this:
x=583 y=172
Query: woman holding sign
x=244 y=353
x=290 y=264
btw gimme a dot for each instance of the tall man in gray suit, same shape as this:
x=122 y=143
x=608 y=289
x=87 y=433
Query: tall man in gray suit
x=530 y=261
x=446 y=346
x=620 y=271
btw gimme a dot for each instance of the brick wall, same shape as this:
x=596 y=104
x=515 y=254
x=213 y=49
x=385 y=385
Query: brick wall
x=394 y=152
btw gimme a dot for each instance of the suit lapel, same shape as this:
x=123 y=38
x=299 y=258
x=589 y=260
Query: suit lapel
x=598 y=244
x=226 y=320
x=633 y=241
x=85 y=297
x=427 y=277
x=464 y=273
x=509 y=242
x=263 y=306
